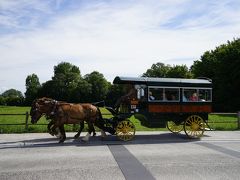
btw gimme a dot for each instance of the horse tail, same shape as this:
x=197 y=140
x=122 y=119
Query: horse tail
x=99 y=120
x=99 y=113
x=100 y=123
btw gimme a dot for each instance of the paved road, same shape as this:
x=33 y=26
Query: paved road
x=151 y=155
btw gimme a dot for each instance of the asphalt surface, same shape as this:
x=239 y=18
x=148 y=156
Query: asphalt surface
x=150 y=155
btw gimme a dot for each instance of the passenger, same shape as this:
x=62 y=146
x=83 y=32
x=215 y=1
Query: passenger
x=173 y=97
x=184 y=98
x=194 y=97
x=151 y=97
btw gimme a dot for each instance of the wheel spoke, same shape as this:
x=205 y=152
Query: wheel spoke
x=173 y=127
x=125 y=130
x=194 y=126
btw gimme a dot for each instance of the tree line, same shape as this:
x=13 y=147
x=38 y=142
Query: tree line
x=222 y=65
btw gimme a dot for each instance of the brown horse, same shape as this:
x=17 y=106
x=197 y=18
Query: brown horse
x=48 y=115
x=49 y=111
x=66 y=113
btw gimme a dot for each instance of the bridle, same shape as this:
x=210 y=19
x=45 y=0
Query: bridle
x=43 y=113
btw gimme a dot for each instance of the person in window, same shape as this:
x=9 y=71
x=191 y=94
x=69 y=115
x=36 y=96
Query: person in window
x=151 y=97
x=184 y=98
x=173 y=97
x=194 y=97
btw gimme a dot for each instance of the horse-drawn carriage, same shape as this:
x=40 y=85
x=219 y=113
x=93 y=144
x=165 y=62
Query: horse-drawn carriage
x=178 y=104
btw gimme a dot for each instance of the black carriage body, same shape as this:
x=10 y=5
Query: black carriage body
x=159 y=100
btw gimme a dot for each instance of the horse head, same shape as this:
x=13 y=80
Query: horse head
x=41 y=106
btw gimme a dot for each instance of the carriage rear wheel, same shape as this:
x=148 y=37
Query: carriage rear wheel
x=125 y=130
x=173 y=127
x=194 y=126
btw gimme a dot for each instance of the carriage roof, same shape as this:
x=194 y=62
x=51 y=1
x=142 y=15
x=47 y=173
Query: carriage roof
x=151 y=81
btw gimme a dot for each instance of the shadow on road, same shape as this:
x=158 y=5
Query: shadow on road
x=98 y=141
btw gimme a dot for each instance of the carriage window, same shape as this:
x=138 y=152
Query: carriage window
x=163 y=94
x=190 y=95
x=172 y=94
x=205 y=95
x=197 y=95
x=155 y=94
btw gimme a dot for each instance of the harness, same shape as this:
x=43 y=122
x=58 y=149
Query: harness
x=53 y=110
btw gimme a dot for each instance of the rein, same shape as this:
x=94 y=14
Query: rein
x=46 y=114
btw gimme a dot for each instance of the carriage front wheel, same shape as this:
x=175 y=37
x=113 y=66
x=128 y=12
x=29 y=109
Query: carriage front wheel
x=194 y=126
x=125 y=130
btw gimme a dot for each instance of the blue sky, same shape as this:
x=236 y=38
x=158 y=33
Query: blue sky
x=114 y=37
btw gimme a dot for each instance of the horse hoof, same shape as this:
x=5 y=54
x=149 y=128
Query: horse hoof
x=58 y=135
x=76 y=136
x=84 y=140
x=51 y=133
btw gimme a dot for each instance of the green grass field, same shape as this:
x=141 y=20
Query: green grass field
x=223 y=121
x=216 y=122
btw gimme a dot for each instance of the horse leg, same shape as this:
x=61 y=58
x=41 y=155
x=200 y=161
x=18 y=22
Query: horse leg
x=55 y=129
x=90 y=130
x=63 y=134
x=94 y=131
x=57 y=132
x=103 y=134
x=102 y=128
x=50 y=127
x=80 y=130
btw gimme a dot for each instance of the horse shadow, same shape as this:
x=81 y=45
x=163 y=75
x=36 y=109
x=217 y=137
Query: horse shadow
x=162 y=138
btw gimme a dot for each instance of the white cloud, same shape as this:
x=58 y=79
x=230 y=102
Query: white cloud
x=113 y=38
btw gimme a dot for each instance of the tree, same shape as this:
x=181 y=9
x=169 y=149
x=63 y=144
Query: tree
x=157 y=70
x=67 y=73
x=99 y=85
x=179 y=71
x=82 y=93
x=47 y=90
x=114 y=93
x=167 y=71
x=222 y=65
x=12 y=97
x=64 y=82
x=68 y=85
x=12 y=93
x=32 y=87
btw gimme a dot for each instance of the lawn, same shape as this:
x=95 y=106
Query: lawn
x=223 y=121
x=216 y=122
